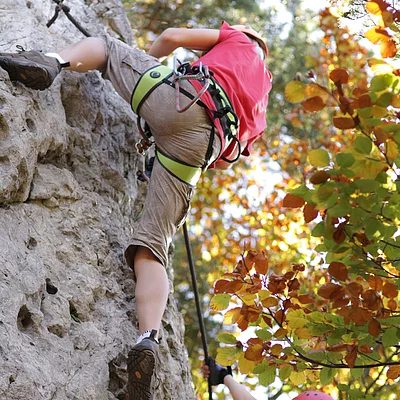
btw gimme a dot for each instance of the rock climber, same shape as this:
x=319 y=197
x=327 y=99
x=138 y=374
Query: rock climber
x=228 y=96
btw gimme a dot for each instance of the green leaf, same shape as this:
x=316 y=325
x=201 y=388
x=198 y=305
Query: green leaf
x=327 y=374
x=318 y=230
x=228 y=355
x=367 y=185
x=264 y=334
x=390 y=337
x=226 y=338
x=299 y=191
x=363 y=144
x=220 y=301
x=373 y=121
x=318 y=158
x=356 y=372
x=385 y=99
x=381 y=82
x=285 y=372
x=268 y=376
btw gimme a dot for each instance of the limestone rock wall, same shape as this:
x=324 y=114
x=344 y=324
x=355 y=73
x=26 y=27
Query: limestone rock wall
x=68 y=201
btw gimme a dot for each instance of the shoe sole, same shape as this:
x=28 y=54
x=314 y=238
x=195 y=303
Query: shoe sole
x=141 y=363
x=30 y=74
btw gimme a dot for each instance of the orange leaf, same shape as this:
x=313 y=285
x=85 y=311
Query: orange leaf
x=313 y=104
x=374 y=328
x=375 y=283
x=364 y=348
x=270 y=302
x=259 y=260
x=371 y=299
x=291 y=201
x=305 y=299
x=309 y=212
x=319 y=177
x=364 y=101
x=338 y=271
x=329 y=290
x=355 y=289
x=225 y=286
x=388 y=48
x=390 y=290
x=343 y=123
x=393 y=372
x=351 y=358
x=392 y=304
x=339 y=75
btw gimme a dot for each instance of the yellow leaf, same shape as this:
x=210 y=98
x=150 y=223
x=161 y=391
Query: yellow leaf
x=246 y=366
x=392 y=150
x=380 y=67
x=373 y=8
x=296 y=319
x=295 y=91
x=280 y=333
x=303 y=333
x=227 y=355
x=376 y=34
x=220 y=302
x=270 y=302
x=313 y=90
x=318 y=158
x=312 y=375
x=395 y=102
x=297 y=378
x=276 y=350
x=379 y=112
x=231 y=316
x=248 y=299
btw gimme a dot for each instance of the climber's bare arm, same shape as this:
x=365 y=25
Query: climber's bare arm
x=194 y=39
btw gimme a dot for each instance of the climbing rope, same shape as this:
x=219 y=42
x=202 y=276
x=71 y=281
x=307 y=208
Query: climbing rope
x=197 y=300
x=62 y=7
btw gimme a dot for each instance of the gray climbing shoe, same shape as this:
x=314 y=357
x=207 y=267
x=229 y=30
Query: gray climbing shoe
x=32 y=68
x=141 y=365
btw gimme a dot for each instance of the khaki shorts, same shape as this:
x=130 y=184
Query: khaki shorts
x=184 y=136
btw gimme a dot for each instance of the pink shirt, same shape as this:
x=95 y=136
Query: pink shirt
x=241 y=72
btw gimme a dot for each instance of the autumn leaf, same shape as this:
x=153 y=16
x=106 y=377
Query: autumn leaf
x=388 y=48
x=338 y=271
x=377 y=34
x=291 y=201
x=351 y=358
x=313 y=104
x=374 y=328
x=232 y=316
x=310 y=212
x=390 y=290
x=295 y=91
x=339 y=75
x=225 y=286
x=270 y=302
x=258 y=260
x=393 y=372
x=373 y=8
x=344 y=123
x=319 y=177
x=329 y=290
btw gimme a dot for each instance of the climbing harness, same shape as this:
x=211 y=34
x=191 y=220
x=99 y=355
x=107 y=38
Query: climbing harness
x=197 y=300
x=62 y=7
x=160 y=74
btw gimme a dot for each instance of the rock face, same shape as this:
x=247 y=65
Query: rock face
x=68 y=201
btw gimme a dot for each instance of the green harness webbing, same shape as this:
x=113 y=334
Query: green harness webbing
x=159 y=74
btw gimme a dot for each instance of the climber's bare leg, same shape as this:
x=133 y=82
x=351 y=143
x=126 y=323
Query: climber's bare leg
x=151 y=289
x=86 y=55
